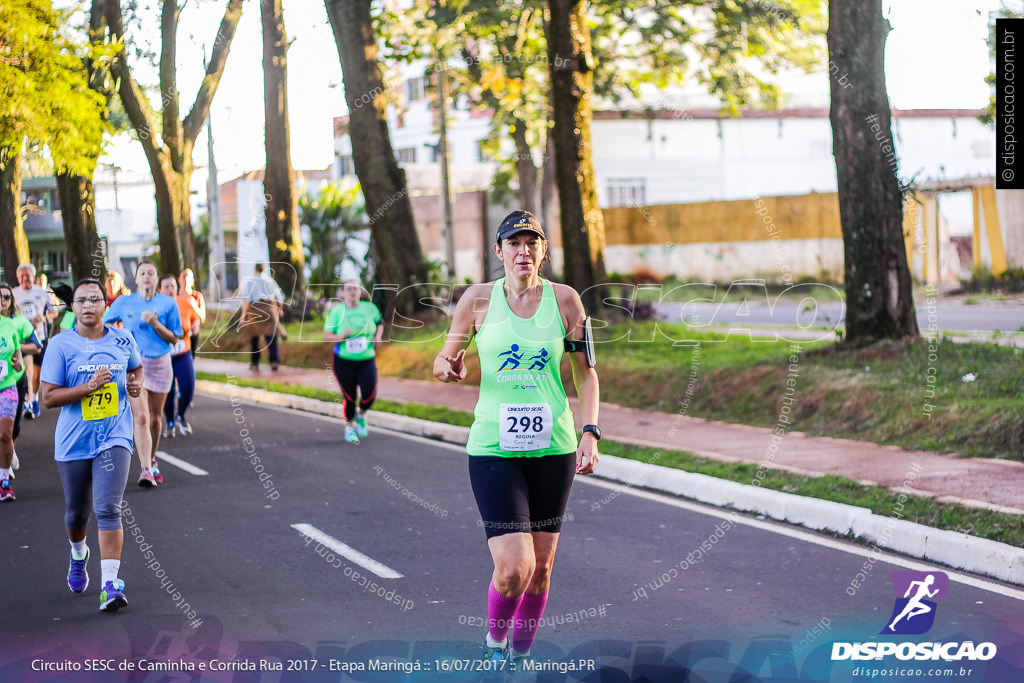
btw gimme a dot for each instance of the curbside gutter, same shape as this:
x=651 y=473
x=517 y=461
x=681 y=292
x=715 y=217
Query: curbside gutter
x=953 y=549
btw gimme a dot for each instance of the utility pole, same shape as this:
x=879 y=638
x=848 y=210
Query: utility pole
x=218 y=253
x=442 y=150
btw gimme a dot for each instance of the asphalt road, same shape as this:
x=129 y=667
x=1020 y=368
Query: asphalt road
x=645 y=588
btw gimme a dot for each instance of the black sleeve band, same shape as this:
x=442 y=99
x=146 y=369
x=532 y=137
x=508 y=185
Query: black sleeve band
x=586 y=345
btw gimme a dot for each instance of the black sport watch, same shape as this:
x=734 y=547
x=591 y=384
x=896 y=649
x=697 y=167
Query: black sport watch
x=593 y=429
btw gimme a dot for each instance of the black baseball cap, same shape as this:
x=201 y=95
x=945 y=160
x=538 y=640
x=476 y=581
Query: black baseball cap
x=519 y=221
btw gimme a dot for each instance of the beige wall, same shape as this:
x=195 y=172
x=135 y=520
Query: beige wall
x=777 y=238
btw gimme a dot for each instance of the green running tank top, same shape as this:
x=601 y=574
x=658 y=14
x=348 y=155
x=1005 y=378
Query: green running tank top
x=522 y=410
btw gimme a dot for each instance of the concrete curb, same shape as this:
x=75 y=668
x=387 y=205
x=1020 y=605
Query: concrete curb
x=953 y=549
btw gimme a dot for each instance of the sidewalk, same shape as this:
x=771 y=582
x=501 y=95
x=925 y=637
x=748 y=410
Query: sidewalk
x=995 y=484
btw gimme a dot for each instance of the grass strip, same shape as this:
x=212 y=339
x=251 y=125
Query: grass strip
x=431 y=413
x=995 y=526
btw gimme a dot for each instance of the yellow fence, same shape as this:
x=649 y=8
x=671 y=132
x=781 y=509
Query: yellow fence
x=812 y=216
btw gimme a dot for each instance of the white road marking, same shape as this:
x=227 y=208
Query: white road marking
x=164 y=456
x=367 y=563
x=810 y=537
x=704 y=509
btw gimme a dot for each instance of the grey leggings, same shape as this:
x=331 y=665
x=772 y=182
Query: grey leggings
x=106 y=475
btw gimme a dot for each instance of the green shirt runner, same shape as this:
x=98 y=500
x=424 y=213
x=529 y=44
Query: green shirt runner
x=362 y=321
x=25 y=332
x=522 y=410
x=9 y=342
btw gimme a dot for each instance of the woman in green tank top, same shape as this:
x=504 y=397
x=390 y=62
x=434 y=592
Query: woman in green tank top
x=523 y=446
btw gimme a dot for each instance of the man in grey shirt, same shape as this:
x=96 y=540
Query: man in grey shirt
x=35 y=303
x=262 y=302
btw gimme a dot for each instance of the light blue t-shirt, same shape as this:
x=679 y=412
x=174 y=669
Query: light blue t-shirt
x=128 y=310
x=70 y=360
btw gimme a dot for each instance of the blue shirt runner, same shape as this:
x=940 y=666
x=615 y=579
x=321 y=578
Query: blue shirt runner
x=71 y=360
x=128 y=310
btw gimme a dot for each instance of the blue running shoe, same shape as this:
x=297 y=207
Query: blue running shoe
x=36 y=411
x=78 y=577
x=496 y=654
x=111 y=597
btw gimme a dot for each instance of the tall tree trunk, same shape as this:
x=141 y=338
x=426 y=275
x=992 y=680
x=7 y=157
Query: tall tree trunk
x=283 y=236
x=393 y=235
x=879 y=301
x=13 y=241
x=526 y=170
x=548 y=190
x=77 y=195
x=78 y=211
x=170 y=160
x=572 y=79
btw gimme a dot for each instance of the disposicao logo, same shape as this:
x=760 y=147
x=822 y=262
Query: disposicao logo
x=913 y=613
x=916 y=593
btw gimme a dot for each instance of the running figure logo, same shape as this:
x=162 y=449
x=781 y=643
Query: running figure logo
x=539 y=360
x=513 y=357
x=914 y=610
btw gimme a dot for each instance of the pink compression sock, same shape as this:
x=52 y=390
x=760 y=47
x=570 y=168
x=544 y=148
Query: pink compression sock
x=499 y=612
x=527 y=621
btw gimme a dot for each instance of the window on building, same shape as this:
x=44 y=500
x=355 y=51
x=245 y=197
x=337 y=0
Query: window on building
x=406 y=155
x=414 y=89
x=627 y=192
x=345 y=165
x=58 y=262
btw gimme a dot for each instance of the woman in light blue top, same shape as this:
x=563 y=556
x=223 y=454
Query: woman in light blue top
x=89 y=372
x=155 y=323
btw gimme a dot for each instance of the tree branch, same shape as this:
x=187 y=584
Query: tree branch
x=134 y=100
x=214 y=70
x=169 y=81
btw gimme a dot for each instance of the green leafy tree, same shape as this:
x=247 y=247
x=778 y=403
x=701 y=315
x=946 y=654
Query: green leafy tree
x=86 y=253
x=734 y=48
x=44 y=98
x=168 y=139
x=989 y=116
x=396 y=246
x=333 y=218
x=279 y=179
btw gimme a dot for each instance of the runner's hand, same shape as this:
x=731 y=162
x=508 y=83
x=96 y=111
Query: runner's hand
x=16 y=362
x=99 y=378
x=133 y=385
x=148 y=317
x=586 y=454
x=451 y=368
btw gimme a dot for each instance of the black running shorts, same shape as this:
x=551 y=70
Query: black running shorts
x=521 y=494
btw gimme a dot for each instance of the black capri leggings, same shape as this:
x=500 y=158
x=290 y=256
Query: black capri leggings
x=521 y=494
x=356 y=373
x=22 y=391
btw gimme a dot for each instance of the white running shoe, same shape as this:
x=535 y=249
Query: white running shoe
x=350 y=435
